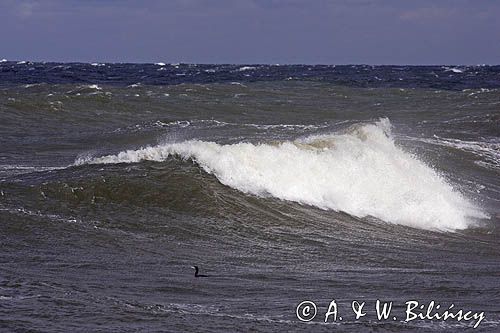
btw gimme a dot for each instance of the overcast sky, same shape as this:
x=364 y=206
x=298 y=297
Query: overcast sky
x=253 y=31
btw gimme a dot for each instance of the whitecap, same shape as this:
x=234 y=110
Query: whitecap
x=246 y=68
x=453 y=69
x=361 y=172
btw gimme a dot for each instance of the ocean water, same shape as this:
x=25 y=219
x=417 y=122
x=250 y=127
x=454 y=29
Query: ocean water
x=282 y=183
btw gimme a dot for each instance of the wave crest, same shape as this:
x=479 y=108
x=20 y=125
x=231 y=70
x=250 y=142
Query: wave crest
x=361 y=172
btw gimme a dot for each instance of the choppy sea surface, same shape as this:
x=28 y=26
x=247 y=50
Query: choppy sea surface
x=282 y=183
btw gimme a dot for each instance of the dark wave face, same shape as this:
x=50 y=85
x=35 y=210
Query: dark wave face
x=282 y=183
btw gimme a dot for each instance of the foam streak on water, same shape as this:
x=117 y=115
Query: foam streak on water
x=360 y=171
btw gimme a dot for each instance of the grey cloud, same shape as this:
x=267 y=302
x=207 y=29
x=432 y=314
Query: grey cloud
x=252 y=31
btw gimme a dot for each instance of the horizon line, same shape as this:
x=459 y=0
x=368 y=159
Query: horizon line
x=161 y=63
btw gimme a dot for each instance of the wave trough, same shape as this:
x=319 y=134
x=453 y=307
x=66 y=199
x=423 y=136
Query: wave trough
x=360 y=171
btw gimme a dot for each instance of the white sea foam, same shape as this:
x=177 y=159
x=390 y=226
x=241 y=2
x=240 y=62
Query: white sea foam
x=217 y=123
x=94 y=86
x=160 y=64
x=489 y=151
x=3 y=60
x=360 y=171
x=246 y=68
x=453 y=69
x=237 y=84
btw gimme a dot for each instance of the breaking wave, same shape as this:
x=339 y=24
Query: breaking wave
x=360 y=171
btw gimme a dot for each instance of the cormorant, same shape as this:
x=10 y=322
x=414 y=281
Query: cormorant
x=196 y=270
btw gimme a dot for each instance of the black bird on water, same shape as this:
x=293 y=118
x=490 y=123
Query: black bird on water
x=196 y=270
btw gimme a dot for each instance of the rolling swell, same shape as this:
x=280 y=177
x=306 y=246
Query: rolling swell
x=361 y=172
x=172 y=199
x=244 y=179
